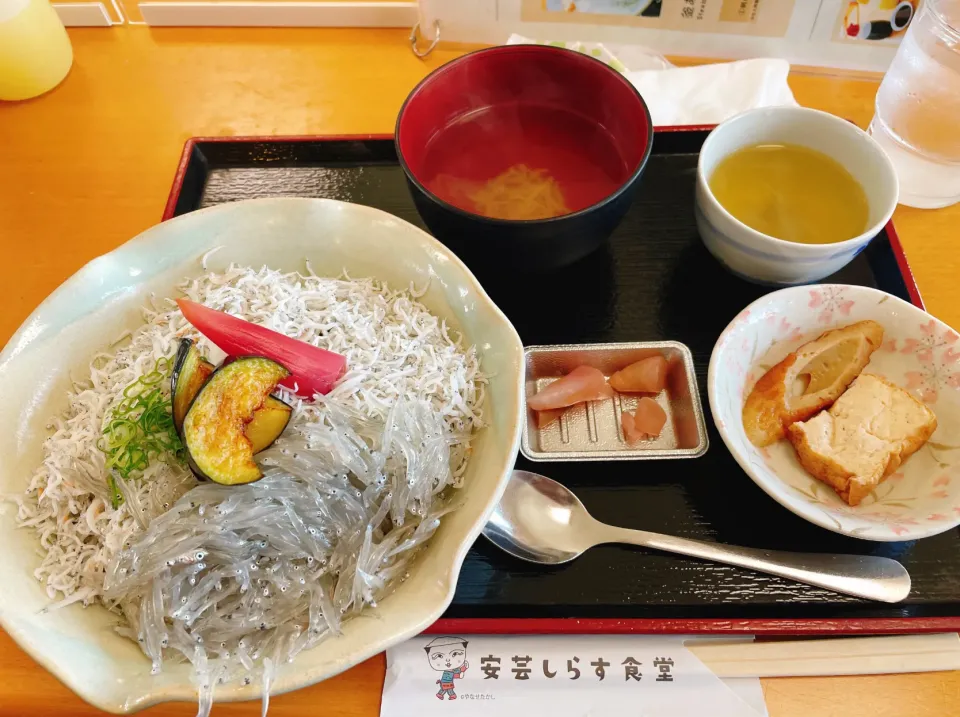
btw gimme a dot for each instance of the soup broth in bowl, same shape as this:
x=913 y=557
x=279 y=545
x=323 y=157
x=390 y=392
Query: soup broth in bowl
x=792 y=193
x=548 y=162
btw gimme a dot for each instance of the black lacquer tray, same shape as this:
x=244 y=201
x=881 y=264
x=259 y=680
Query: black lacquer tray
x=654 y=282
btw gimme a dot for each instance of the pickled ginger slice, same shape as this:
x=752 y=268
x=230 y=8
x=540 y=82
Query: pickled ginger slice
x=584 y=383
x=646 y=422
x=545 y=418
x=648 y=375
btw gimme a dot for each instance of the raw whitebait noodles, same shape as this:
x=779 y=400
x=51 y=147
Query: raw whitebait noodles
x=237 y=579
x=231 y=576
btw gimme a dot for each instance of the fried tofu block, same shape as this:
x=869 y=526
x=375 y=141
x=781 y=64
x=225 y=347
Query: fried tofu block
x=864 y=437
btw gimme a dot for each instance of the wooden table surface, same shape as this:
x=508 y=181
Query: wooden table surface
x=89 y=165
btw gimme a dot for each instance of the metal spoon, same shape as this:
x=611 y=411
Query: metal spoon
x=539 y=520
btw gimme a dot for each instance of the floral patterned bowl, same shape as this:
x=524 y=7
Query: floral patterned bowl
x=919 y=353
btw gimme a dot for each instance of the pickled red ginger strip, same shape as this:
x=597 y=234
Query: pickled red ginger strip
x=648 y=375
x=584 y=383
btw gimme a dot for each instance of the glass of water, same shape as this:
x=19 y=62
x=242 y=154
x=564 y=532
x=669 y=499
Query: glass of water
x=917 y=119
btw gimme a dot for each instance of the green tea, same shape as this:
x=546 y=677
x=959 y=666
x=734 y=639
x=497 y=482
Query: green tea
x=792 y=193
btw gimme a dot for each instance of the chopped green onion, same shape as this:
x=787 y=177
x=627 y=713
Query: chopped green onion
x=116 y=498
x=140 y=429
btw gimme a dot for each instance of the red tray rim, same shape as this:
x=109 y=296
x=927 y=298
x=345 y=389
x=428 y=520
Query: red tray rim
x=572 y=625
x=666 y=626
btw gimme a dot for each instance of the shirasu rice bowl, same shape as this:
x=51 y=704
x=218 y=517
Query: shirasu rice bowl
x=239 y=579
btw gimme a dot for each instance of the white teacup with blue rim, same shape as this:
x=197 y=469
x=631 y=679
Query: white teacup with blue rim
x=761 y=258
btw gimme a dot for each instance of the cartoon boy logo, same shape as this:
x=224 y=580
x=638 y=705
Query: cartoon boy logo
x=448 y=656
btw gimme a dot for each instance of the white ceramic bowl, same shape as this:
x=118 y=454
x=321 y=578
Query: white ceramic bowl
x=762 y=258
x=91 y=308
x=919 y=353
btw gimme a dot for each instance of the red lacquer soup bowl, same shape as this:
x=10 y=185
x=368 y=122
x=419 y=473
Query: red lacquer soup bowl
x=524 y=156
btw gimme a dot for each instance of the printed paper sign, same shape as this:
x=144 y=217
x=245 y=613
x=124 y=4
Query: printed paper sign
x=874 y=20
x=763 y=18
x=564 y=676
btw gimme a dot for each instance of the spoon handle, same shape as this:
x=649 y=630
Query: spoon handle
x=869 y=577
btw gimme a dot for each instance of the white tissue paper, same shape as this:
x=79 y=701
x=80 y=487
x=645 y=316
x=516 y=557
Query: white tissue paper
x=704 y=94
x=709 y=94
x=560 y=675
